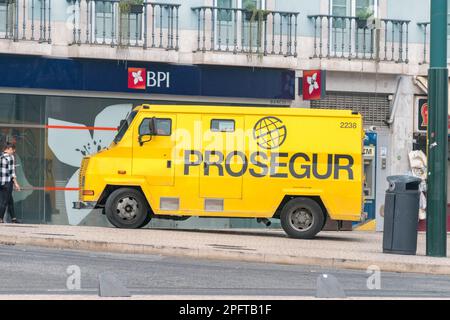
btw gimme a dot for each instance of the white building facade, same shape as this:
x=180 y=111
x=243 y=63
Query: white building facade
x=65 y=68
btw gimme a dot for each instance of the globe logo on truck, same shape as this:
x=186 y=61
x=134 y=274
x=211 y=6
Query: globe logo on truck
x=270 y=133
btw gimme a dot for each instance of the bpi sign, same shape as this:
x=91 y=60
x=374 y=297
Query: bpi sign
x=141 y=79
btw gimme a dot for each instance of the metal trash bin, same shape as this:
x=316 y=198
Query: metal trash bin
x=401 y=215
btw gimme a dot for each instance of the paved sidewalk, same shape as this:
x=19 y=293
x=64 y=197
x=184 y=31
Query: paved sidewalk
x=196 y=298
x=348 y=250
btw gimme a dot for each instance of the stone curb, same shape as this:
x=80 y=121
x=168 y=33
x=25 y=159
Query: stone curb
x=215 y=254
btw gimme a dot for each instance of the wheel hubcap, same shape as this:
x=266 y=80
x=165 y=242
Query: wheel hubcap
x=301 y=219
x=127 y=208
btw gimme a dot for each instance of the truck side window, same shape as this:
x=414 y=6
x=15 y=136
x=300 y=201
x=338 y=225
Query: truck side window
x=220 y=125
x=163 y=127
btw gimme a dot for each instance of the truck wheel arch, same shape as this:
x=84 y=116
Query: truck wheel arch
x=111 y=188
x=287 y=198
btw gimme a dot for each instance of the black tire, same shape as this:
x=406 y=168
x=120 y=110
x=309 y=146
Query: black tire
x=146 y=221
x=302 y=218
x=325 y=219
x=127 y=209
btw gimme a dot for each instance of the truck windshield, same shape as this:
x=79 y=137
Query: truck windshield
x=126 y=124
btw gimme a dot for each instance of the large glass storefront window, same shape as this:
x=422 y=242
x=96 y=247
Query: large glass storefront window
x=52 y=135
x=21 y=119
x=76 y=127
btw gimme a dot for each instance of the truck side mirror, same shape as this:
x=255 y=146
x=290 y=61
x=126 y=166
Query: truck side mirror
x=147 y=137
x=151 y=126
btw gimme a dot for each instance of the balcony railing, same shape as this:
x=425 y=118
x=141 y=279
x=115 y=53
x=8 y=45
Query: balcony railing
x=101 y=22
x=348 y=38
x=26 y=20
x=237 y=30
x=425 y=26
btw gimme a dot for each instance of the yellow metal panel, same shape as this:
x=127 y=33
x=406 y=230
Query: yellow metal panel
x=287 y=152
x=222 y=159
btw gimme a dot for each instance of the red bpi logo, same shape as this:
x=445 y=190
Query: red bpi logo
x=314 y=84
x=141 y=79
x=137 y=78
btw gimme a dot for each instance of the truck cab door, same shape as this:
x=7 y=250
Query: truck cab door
x=153 y=154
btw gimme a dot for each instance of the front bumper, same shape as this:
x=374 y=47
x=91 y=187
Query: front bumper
x=84 y=205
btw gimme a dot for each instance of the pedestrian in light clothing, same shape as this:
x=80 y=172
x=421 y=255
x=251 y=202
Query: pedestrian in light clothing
x=8 y=181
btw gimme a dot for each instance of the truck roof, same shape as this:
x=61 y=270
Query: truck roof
x=236 y=110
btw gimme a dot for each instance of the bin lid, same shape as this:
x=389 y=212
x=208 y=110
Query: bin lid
x=403 y=183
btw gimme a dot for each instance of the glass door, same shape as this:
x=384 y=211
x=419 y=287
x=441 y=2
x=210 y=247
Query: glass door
x=2 y=19
x=339 y=30
x=251 y=26
x=102 y=26
x=7 y=10
x=235 y=29
x=224 y=29
x=364 y=5
x=365 y=38
x=353 y=7
x=345 y=34
x=107 y=25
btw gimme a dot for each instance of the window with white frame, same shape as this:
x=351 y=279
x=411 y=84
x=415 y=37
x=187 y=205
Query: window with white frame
x=353 y=7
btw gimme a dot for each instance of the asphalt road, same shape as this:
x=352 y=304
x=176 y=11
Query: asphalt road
x=38 y=271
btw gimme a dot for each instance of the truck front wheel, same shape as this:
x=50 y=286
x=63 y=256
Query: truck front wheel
x=302 y=218
x=127 y=209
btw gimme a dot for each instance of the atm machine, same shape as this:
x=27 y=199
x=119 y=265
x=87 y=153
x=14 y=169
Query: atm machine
x=370 y=169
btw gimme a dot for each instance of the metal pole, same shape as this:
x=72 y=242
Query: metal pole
x=438 y=133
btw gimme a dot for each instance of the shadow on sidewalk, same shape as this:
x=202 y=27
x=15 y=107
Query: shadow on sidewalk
x=11 y=225
x=272 y=233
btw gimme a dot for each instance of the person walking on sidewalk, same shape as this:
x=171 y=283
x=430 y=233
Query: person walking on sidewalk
x=8 y=181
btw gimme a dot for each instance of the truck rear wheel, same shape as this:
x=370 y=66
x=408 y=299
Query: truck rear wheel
x=302 y=218
x=127 y=208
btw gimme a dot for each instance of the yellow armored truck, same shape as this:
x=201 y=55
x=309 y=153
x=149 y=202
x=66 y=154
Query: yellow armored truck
x=301 y=166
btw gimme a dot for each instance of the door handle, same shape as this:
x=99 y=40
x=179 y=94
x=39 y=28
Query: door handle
x=169 y=164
